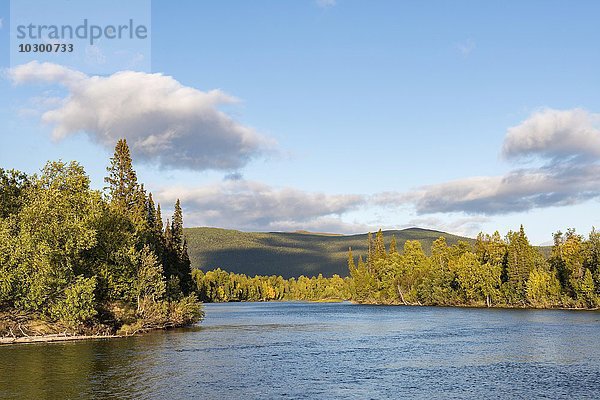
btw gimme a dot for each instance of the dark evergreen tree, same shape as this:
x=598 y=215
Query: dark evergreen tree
x=158 y=227
x=520 y=261
x=123 y=189
x=177 y=229
x=393 y=246
x=379 y=250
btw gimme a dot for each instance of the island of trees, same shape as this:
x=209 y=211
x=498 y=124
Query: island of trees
x=78 y=260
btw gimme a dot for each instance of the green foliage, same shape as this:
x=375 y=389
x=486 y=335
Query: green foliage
x=586 y=290
x=123 y=188
x=13 y=184
x=68 y=254
x=222 y=286
x=543 y=288
x=150 y=283
x=77 y=305
x=363 y=282
x=476 y=282
x=492 y=272
x=520 y=260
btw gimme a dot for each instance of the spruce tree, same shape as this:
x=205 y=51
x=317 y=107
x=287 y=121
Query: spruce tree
x=158 y=227
x=520 y=261
x=393 y=246
x=150 y=212
x=123 y=189
x=379 y=246
x=177 y=229
x=168 y=235
x=351 y=265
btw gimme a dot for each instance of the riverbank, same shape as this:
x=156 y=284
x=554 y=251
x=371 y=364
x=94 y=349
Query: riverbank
x=57 y=337
x=479 y=306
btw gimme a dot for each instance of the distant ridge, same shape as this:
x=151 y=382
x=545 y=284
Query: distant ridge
x=317 y=233
x=290 y=254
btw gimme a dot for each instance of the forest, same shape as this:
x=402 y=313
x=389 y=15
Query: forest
x=221 y=286
x=84 y=261
x=495 y=271
x=492 y=272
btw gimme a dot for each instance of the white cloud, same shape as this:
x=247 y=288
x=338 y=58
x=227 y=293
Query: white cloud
x=46 y=73
x=568 y=142
x=164 y=122
x=326 y=3
x=249 y=205
x=555 y=134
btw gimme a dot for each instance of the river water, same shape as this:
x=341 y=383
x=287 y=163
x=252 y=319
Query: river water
x=324 y=351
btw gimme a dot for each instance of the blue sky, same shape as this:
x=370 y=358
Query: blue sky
x=348 y=115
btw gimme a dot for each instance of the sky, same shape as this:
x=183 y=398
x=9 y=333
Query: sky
x=336 y=116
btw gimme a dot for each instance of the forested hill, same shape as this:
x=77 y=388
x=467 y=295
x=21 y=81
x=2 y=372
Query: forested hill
x=290 y=254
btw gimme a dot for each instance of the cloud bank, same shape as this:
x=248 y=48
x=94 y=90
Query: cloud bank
x=250 y=205
x=165 y=122
x=566 y=142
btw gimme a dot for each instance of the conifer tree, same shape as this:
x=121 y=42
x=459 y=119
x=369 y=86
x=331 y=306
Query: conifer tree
x=379 y=246
x=177 y=229
x=393 y=246
x=520 y=261
x=151 y=212
x=122 y=181
x=158 y=227
x=168 y=235
x=351 y=265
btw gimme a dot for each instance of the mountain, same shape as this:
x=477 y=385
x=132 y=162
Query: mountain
x=290 y=254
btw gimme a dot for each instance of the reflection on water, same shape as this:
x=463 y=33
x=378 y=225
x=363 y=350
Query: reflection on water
x=324 y=350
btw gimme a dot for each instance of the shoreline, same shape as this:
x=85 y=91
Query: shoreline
x=54 y=337
x=399 y=304
x=61 y=337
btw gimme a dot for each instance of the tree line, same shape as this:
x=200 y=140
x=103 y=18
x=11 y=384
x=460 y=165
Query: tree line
x=221 y=286
x=88 y=260
x=494 y=271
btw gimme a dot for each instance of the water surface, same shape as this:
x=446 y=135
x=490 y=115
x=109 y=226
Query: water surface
x=324 y=350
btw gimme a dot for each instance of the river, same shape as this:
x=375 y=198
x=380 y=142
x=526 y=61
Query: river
x=324 y=351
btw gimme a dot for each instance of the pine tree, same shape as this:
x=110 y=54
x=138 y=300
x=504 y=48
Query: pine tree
x=520 y=261
x=379 y=246
x=158 y=227
x=122 y=181
x=150 y=212
x=177 y=229
x=351 y=265
x=168 y=235
x=185 y=270
x=393 y=246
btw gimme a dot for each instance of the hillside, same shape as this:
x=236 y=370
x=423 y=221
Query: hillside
x=289 y=254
